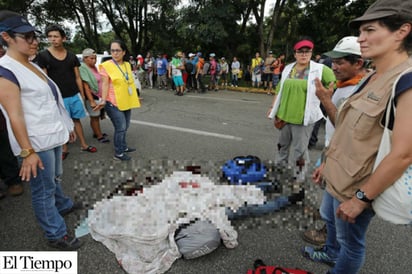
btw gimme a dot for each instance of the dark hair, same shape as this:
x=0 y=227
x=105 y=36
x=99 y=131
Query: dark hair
x=393 y=23
x=55 y=28
x=352 y=58
x=122 y=46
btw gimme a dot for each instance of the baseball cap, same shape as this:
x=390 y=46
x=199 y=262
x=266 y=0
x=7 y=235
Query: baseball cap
x=384 y=8
x=346 y=46
x=212 y=55
x=191 y=55
x=270 y=52
x=17 y=24
x=88 y=52
x=303 y=44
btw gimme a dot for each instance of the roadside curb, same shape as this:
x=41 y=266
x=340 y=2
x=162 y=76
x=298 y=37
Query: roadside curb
x=248 y=89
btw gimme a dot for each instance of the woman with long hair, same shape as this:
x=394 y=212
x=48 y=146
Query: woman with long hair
x=119 y=95
x=385 y=37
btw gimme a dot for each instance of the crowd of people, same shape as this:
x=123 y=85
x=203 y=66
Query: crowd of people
x=353 y=98
x=159 y=72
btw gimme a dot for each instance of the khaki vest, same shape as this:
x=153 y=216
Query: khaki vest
x=354 y=145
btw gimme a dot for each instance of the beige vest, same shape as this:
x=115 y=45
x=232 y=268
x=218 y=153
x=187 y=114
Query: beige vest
x=354 y=145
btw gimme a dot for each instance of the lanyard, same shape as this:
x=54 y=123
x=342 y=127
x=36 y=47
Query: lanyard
x=125 y=74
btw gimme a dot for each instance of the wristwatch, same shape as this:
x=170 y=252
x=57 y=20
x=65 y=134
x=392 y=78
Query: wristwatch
x=362 y=196
x=24 y=153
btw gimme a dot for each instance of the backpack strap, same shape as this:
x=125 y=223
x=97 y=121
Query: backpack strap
x=9 y=75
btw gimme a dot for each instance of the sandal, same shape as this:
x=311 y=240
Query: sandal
x=104 y=135
x=89 y=149
x=64 y=155
x=103 y=140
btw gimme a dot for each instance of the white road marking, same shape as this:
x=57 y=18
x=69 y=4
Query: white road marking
x=188 y=130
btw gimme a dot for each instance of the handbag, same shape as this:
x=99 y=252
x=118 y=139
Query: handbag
x=395 y=203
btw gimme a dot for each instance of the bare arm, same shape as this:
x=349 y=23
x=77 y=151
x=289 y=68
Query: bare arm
x=10 y=100
x=79 y=81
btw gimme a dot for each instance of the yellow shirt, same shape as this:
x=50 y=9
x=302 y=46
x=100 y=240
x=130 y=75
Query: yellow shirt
x=122 y=91
x=255 y=62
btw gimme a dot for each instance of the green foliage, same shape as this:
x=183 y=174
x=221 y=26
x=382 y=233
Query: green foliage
x=226 y=27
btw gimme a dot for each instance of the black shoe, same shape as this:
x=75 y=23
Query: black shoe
x=129 y=149
x=76 y=206
x=66 y=243
x=297 y=197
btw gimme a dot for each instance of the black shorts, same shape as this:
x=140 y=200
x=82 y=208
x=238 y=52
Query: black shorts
x=267 y=77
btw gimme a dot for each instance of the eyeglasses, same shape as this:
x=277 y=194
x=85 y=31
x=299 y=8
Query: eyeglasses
x=28 y=36
x=116 y=50
x=303 y=52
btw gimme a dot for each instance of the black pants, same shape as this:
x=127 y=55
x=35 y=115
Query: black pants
x=9 y=167
x=201 y=84
x=191 y=81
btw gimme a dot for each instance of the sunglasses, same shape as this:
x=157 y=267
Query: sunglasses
x=28 y=36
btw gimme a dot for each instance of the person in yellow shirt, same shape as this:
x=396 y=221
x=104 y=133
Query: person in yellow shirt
x=119 y=90
x=255 y=70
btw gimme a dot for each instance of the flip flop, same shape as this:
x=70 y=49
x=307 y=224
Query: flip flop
x=64 y=155
x=89 y=149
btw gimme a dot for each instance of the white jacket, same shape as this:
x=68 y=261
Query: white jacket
x=48 y=123
x=313 y=113
x=140 y=229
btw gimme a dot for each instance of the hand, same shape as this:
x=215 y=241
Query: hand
x=29 y=167
x=72 y=137
x=268 y=112
x=322 y=92
x=317 y=176
x=349 y=210
x=99 y=106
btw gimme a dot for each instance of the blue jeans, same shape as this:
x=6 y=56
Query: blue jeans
x=121 y=122
x=345 y=241
x=234 y=79
x=48 y=198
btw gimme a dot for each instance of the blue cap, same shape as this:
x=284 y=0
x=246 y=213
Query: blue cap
x=199 y=54
x=17 y=24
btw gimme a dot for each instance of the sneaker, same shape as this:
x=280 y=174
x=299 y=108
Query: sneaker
x=15 y=190
x=66 y=243
x=76 y=206
x=315 y=236
x=122 y=157
x=129 y=149
x=318 y=255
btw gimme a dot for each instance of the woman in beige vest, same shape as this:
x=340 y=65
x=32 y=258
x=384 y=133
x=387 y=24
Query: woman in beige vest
x=385 y=37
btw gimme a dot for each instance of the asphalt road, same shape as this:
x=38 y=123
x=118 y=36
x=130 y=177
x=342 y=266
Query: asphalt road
x=171 y=132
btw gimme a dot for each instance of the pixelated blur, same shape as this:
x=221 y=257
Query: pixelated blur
x=101 y=180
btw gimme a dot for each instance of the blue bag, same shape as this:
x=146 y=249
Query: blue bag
x=243 y=170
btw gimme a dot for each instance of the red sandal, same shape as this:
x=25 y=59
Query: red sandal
x=90 y=149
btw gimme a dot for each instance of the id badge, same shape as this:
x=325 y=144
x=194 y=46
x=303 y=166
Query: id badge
x=130 y=90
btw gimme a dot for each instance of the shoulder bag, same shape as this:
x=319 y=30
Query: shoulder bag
x=395 y=203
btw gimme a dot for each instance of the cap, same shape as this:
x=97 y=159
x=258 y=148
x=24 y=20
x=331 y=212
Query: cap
x=346 y=46
x=179 y=54
x=270 y=52
x=191 y=55
x=223 y=58
x=17 y=24
x=212 y=55
x=303 y=44
x=139 y=56
x=199 y=54
x=384 y=8
x=88 y=52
